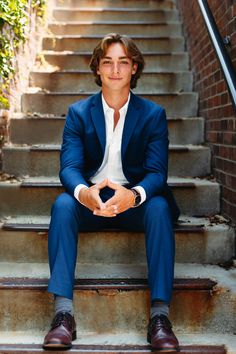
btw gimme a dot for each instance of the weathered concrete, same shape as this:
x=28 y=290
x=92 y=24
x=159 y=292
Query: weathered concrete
x=122 y=339
x=80 y=60
x=39 y=193
x=114 y=310
x=57 y=103
x=130 y=28
x=85 y=43
x=43 y=160
x=167 y=4
x=82 y=81
x=213 y=243
x=48 y=130
x=115 y=14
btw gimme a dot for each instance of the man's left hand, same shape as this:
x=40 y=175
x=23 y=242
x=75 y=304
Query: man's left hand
x=122 y=200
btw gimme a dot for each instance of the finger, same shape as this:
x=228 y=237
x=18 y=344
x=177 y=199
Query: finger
x=112 y=185
x=102 y=184
x=99 y=203
x=104 y=213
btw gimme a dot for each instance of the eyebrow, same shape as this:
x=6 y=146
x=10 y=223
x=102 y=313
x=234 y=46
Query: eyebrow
x=106 y=57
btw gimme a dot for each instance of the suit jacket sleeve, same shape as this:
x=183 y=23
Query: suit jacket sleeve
x=156 y=156
x=72 y=153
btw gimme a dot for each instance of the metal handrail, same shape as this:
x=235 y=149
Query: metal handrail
x=222 y=54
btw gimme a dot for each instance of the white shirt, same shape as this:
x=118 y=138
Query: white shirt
x=111 y=166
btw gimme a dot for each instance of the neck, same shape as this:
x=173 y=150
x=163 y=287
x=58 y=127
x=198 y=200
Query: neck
x=115 y=100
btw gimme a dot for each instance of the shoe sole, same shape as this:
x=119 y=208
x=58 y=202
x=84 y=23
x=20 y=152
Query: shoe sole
x=162 y=350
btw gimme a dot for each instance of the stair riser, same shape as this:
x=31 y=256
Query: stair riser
x=22 y=162
x=38 y=201
x=160 y=30
x=83 y=82
x=160 y=5
x=175 y=105
x=213 y=246
x=78 y=15
x=76 y=82
x=162 y=45
x=49 y=131
x=167 y=62
x=117 y=311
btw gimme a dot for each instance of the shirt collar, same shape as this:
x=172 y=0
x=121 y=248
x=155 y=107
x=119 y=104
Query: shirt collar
x=123 y=109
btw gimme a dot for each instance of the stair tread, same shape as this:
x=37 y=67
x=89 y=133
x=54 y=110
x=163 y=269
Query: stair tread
x=185 y=224
x=94 y=22
x=122 y=341
x=188 y=276
x=114 y=9
x=21 y=115
x=87 y=53
x=57 y=147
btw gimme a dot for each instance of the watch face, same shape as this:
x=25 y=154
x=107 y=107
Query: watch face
x=137 y=199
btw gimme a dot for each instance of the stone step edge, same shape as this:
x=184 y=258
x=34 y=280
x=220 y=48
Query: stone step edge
x=125 y=284
x=113 y=9
x=57 y=147
x=100 y=36
x=38 y=91
x=20 y=115
x=80 y=53
x=109 y=349
x=131 y=23
x=88 y=72
x=42 y=227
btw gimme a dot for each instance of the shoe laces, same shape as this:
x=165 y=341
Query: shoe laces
x=160 y=321
x=64 y=319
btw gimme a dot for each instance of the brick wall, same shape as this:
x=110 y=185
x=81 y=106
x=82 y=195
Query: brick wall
x=214 y=101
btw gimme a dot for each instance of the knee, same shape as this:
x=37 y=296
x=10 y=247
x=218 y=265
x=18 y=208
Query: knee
x=64 y=202
x=158 y=206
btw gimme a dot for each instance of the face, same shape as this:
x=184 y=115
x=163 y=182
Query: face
x=116 y=69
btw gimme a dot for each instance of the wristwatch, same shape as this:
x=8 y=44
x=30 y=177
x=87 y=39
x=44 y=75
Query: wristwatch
x=137 y=197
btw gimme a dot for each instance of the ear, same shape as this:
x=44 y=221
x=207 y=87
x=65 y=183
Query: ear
x=98 y=71
x=135 y=67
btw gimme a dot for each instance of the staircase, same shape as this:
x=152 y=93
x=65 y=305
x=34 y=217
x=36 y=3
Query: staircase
x=111 y=294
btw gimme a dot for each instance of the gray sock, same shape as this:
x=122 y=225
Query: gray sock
x=63 y=304
x=159 y=308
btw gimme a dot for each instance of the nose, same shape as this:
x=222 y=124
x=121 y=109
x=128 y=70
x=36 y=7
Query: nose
x=116 y=68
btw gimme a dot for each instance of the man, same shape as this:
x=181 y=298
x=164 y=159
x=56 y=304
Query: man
x=114 y=160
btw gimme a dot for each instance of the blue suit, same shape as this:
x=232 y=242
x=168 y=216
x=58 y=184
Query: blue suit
x=144 y=153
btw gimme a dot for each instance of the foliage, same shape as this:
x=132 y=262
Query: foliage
x=14 y=21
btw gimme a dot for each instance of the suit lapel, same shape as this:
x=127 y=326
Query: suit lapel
x=131 y=120
x=99 y=119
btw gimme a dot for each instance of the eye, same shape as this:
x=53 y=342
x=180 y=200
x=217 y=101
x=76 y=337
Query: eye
x=106 y=62
x=125 y=62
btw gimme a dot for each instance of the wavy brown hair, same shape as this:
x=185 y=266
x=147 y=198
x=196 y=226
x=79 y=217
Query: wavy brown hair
x=131 y=51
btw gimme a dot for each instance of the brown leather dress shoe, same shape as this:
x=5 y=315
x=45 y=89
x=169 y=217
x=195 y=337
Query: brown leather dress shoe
x=161 y=336
x=62 y=332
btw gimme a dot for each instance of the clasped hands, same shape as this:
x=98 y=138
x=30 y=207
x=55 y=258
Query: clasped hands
x=122 y=200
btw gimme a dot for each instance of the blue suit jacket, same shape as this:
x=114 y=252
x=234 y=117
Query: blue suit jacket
x=144 y=148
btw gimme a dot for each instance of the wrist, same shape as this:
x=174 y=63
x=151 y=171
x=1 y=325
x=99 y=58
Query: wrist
x=137 y=197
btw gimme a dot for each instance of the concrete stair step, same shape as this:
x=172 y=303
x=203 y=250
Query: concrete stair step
x=212 y=242
x=48 y=130
x=116 y=299
x=35 y=195
x=69 y=14
x=82 y=81
x=161 y=5
x=57 y=103
x=130 y=28
x=130 y=343
x=86 y=42
x=67 y=60
x=44 y=160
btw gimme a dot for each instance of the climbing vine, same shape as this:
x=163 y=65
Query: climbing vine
x=14 y=22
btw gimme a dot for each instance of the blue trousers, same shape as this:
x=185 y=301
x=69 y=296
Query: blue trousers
x=153 y=218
